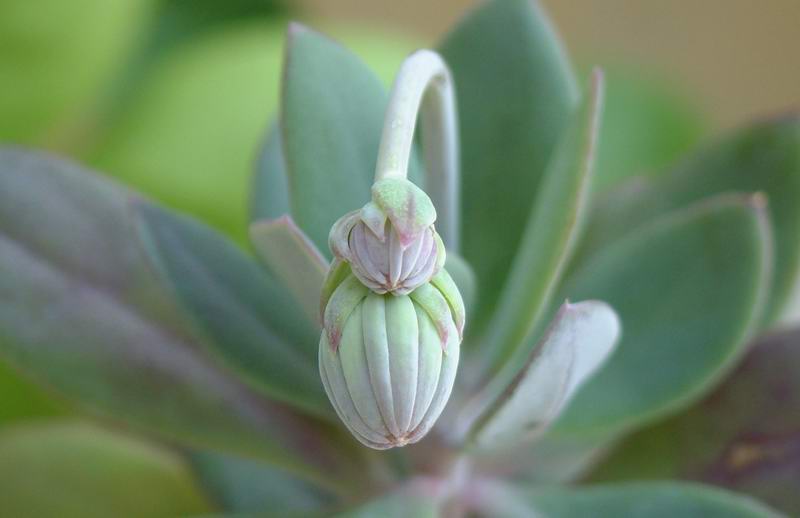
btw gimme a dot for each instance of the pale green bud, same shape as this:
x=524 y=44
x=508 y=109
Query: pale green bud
x=392 y=318
x=388 y=362
x=391 y=244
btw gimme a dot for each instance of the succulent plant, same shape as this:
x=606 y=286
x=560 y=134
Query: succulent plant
x=427 y=305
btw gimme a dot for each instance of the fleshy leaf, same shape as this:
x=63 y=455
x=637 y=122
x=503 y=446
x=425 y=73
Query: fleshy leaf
x=82 y=311
x=420 y=499
x=515 y=93
x=550 y=232
x=74 y=469
x=250 y=318
x=463 y=277
x=22 y=398
x=635 y=500
x=763 y=157
x=744 y=436
x=331 y=119
x=579 y=340
x=689 y=289
x=242 y=485
x=269 y=198
x=294 y=259
x=649 y=122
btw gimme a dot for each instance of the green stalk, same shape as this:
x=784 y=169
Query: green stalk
x=424 y=86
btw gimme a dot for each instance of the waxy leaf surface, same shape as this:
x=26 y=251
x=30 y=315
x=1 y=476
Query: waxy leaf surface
x=515 y=92
x=253 y=324
x=82 y=310
x=577 y=343
x=331 y=117
x=294 y=259
x=744 y=436
x=550 y=233
x=763 y=157
x=689 y=289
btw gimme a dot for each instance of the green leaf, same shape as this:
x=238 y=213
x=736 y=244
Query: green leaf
x=643 y=500
x=288 y=252
x=253 y=323
x=689 y=289
x=415 y=499
x=550 y=233
x=74 y=469
x=763 y=157
x=744 y=436
x=81 y=310
x=515 y=92
x=331 y=119
x=649 y=123
x=464 y=278
x=20 y=397
x=189 y=132
x=579 y=340
x=269 y=198
x=241 y=485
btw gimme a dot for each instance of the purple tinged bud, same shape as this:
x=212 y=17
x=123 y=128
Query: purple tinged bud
x=391 y=243
x=392 y=318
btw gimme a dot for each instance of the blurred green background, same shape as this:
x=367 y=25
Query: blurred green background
x=174 y=97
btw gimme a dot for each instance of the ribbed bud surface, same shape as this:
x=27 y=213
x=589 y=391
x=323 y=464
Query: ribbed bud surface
x=384 y=265
x=391 y=369
x=392 y=318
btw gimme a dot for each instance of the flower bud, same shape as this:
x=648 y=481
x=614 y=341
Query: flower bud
x=392 y=318
x=391 y=244
x=388 y=362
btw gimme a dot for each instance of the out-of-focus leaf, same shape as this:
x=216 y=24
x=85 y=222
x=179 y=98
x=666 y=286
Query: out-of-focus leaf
x=241 y=485
x=515 y=92
x=331 y=120
x=551 y=459
x=81 y=310
x=176 y=22
x=577 y=343
x=644 y=500
x=73 y=469
x=20 y=398
x=745 y=435
x=689 y=289
x=550 y=232
x=417 y=499
x=56 y=59
x=253 y=323
x=648 y=124
x=270 y=186
x=464 y=278
x=763 y=157
x=294 y=259
x=189 y=134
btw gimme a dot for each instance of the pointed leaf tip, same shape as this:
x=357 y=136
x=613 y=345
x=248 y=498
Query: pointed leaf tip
x=516 y=43
x=580 y=338
x=292 y=257
x=553 y=225
x=721 y=248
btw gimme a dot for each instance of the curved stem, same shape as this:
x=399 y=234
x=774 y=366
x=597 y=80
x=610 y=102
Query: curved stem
x=424 y=85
